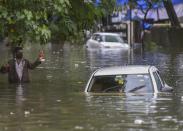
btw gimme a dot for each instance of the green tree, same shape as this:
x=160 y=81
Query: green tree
x=82 y=15
x=106 y=7
x=30 y=19
x=40 y=20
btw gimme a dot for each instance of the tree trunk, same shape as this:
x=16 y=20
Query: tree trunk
x=171 y=13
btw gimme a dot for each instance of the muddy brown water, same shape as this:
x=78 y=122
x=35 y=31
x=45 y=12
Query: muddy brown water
x=55 y=101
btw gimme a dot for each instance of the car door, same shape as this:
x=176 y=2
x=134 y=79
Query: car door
x=93 y=41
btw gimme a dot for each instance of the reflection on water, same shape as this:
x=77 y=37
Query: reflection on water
x=134 y=112
x=55 y=101
x=107 y=57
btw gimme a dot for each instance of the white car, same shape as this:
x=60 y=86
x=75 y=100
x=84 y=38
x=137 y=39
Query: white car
x=106 y=40
x=128 y=79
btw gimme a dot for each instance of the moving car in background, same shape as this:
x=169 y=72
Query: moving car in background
x=128 y=79
x=106 y=40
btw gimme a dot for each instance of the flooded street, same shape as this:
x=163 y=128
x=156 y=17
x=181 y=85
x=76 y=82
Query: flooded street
x=55 y=101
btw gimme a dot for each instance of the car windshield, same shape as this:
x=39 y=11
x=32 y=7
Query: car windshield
x=111 y=38
x=139 y=83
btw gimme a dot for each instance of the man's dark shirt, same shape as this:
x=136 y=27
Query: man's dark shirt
x=12 y=73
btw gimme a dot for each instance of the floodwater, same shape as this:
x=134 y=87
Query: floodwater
x=55 y=101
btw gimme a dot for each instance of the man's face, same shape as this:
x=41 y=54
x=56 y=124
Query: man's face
x=19 y=54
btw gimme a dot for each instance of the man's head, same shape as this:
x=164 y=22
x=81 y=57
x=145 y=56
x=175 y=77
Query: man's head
x=18 y=52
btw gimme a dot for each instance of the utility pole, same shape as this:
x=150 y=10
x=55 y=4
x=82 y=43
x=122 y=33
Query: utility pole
x=130 y=32
x=130 y=25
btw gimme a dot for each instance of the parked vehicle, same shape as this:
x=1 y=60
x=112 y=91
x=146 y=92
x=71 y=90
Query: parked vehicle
x=128 y=79
x=106 y=40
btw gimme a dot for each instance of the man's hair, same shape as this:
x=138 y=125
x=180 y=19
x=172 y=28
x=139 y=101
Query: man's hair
x=18 y=48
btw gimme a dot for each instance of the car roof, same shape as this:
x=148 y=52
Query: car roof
x=106 y=33
x=123 y=70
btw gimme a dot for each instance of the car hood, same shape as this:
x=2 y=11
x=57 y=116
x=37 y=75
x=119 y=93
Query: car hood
x=114 y=44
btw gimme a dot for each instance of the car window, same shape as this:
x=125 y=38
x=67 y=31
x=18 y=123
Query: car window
x=97 y=37
x=158 y=81
x=110 y=38
x=163 y=82
x=122 y=83
x=94 y=36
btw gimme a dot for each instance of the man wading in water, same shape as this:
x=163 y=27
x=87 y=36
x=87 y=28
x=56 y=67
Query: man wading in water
x=17 y=68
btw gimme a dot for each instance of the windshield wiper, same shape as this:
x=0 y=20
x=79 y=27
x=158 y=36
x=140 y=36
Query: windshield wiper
x=137 y=88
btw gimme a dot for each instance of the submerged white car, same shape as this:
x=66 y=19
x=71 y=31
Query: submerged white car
x=127 y=79
x=106 y=40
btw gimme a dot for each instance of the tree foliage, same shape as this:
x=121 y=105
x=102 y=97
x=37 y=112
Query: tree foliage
x=107 y=6
x=40 y=20
x=29 y=19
